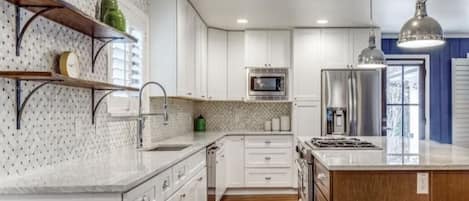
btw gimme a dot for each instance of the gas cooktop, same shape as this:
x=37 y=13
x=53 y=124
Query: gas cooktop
x=340 y=143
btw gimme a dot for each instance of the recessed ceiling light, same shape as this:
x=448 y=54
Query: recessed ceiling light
x=242 y=21
x=322 y=21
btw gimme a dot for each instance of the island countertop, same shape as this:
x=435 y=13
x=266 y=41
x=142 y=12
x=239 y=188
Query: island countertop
x=397 y=153
x=115 y=172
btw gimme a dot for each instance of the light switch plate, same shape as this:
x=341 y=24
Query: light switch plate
x=422 y=183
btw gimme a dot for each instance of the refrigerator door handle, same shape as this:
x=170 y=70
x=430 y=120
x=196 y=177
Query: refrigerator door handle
x=350 y=105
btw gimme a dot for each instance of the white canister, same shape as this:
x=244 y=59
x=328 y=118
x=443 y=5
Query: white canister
x=268 y=126
x=285 y=123
x=276 y=124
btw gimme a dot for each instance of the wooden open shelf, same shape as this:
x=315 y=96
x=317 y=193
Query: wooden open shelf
x=62 y=80
x=70 y=16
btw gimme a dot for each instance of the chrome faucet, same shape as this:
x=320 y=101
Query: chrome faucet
x=142 y=116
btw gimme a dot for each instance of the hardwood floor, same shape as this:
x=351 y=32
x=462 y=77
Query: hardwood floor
x=260 y=198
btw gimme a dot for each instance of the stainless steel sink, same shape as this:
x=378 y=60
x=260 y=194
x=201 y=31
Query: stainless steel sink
x=169 y=147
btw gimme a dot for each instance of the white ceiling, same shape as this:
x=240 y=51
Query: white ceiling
x=389 y=14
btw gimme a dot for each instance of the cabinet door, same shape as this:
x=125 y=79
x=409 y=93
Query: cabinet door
x=257 y=49
x=201 y=186
x=360 y=38
x=186 y=49
x=335 y=48
x=307 y=118
x=236 y=69
x=217 y=67
x=220 y=176
x=235 y=161
x=279 y=49
x=201 y=59
x=307 y=64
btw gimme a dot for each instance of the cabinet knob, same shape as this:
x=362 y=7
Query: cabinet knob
x=165 y=185
x=268 y=178
x=145 y=198
x=268 y=158
x=189 y=93
x=181 y=174
x=200 y=179
x=267 y=142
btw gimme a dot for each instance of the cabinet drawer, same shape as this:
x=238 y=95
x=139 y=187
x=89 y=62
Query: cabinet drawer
x=268 y=177
x=268 y=157
x=197 y=162
x=145 y=191
x=268 y=142
x=164 y=185
x=180 y=173
x=322 y=178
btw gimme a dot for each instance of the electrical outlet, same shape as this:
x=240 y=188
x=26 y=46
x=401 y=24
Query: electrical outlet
x=422 y=183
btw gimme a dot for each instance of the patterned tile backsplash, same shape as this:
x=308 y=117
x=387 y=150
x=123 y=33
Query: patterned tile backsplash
x=224 y=116
x=56 y=124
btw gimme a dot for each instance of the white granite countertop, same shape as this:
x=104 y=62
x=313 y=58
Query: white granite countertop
x=114 y=172
x=396 y=154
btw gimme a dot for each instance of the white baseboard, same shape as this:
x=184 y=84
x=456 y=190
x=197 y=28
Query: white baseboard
x=261 y=191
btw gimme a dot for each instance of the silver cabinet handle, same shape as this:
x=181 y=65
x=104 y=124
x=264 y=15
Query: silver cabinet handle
x=200 y=179
x=268 y=178
x=165 y=185
x=181 y=174
x=268 y=158
x=267 y=142
x=189 y=93
x=321 y=176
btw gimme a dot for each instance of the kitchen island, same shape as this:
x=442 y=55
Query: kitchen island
x=403 y=169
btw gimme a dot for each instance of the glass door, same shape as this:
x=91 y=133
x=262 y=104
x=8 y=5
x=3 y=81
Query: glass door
x=405 y=99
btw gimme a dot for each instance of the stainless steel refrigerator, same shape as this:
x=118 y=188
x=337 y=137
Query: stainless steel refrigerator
x=352 y=102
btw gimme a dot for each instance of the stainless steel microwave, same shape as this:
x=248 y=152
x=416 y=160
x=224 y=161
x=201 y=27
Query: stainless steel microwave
x=267 y=84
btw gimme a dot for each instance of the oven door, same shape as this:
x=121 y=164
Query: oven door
x=267 y=84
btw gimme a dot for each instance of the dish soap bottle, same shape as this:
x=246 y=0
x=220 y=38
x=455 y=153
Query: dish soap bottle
x=200 y=124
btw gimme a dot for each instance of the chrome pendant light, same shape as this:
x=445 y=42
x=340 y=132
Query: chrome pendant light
x=371 y=57
x=421 y=31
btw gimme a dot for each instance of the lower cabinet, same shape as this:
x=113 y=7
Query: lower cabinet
x=185 y=181
x=235 y=165
x=261 y=161
x=307 y=116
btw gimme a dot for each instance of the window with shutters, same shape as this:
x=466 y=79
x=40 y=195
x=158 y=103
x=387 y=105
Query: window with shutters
x=127 y=63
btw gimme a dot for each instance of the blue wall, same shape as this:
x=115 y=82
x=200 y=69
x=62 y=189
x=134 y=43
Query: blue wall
x=440 y=82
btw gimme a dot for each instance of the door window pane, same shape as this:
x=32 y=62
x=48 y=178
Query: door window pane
x=394 y=121
x=394 y=85
x=412 y=121
x=411 y=84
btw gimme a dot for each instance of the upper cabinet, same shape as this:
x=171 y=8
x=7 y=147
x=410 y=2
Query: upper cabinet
x=177 y=42
x=217 y=64
x=268 y=48
x=236 y=69
x=316 y=49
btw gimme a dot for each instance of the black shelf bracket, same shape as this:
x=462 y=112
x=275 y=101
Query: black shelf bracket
x=96 y=50
x=98 y=103
x=20 y=31
x=21 y=105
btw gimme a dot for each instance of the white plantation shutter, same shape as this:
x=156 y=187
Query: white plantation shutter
x=460 y=93
x=127 y=64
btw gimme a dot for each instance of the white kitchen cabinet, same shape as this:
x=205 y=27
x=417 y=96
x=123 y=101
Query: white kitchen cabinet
x=220 y=173
x=236 y=69
x=307 y=118
x=217 y=64
x=307 y=64
x=176 y=48
x=335 y=48
x=201 y=60
x=268 y=177
x=280 y=49
x=316 y=49
x=234 y=152
x=201 y=186
x=268 y=48
x=186 y=49
x=257 y=48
